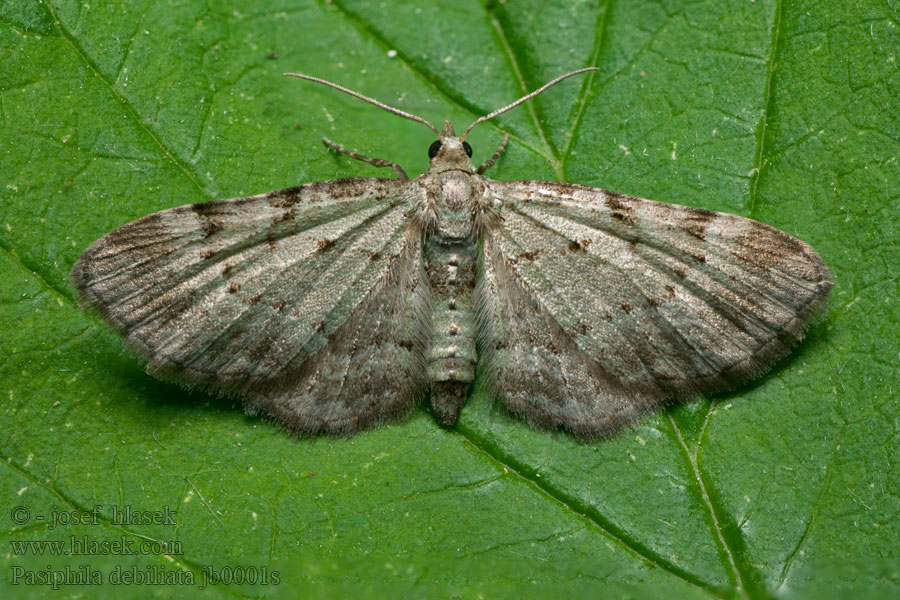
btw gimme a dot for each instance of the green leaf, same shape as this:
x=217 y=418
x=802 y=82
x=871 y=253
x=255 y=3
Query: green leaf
x=784 y=112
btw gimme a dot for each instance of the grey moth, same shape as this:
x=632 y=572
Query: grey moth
x=336 y=306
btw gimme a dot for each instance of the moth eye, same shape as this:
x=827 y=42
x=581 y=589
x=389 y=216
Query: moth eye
x=468 y=149
x=434 y=148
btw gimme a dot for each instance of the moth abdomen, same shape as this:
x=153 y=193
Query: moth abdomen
x=451 y=358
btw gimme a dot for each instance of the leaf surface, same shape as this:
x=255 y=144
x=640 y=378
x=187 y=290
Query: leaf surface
x=784 y=112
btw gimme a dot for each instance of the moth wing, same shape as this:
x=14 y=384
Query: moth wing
x=295 y=299
x=597 y=306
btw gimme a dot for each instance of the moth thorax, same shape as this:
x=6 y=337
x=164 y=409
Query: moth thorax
x=455 y=199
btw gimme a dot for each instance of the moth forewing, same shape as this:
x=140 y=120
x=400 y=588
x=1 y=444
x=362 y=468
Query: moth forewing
x=335 y=306
x=660 y=301
x=253 y=295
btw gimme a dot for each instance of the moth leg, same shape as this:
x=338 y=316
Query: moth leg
x=378 y=162
x=489 y=162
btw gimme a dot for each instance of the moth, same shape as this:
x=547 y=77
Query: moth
x=339 y=305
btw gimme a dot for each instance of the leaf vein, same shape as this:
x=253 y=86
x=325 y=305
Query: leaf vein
x=759 y=160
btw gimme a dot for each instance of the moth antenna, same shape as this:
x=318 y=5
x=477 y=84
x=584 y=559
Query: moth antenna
x=390 y=109
x=500 y=111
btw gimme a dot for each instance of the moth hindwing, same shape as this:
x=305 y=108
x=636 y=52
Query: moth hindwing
x=336 y=306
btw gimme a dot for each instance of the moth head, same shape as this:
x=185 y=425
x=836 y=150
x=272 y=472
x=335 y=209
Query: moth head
x=449 y=152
